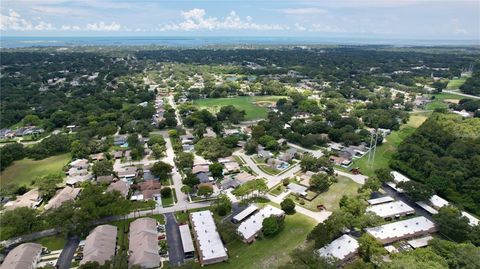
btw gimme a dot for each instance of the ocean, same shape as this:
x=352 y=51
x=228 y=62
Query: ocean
x=194 y=41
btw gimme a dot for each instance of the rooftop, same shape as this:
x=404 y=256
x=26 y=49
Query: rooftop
x=100 y=244
x=209 y=242
x=66 y=194
x=21 y=257
x=253 y=225
x=380 y=200
x=143 y=243
x=438 y=202
x=402 y=228
x=246 y=212
x=340 y=248
x=420 y=242
x=397 y=177
x=186 y=236
x=390 y=209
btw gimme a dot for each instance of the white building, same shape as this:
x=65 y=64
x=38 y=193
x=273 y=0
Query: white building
x=397 y=177
x=392 y=209
x=420 y=242
x=187 y=242
x=244 y=214
x=438 y=202
x=380 y=200
x=343 y=248
x=473 y=221
x=404 y=229
x=250 y=228
x=208 y=241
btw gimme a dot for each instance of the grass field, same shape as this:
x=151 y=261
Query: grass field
x=385 y=151
x=252 y=110
x=268 y=252
x=331 y=198
x=52 y=242
x=455 y=83
x=439 y=101
x=24 y=171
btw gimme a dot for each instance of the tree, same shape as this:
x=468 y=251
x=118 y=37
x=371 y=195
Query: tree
x=102 y=168
x=288 y=205
x=204 y=190
x=306 y=258
x=421 y=258
x=331 y=228
x=186 y=189
x=417 y=191
x=20 y=221
x=465 y=256
x=451 y=223
x=352 y=205
x=191 y=180
x=320 y=182
x=216 y=169
x=156 y=139
x=212 y=148
x=47 y=185
x=369 y=249
x=161 y=169
x=272 y=225
x=79 y=150
x=222 y=205
x=158 y=150
x=383 y=174
x=166 y=192
x=251 y=147
x=184 y=160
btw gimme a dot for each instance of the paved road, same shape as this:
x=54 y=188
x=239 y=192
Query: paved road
x=65 y=259
x=28 y=237
x=316 y=153
x=174 y=240
x=462 y=94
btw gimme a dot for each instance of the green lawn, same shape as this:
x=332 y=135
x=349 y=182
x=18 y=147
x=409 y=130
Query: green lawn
x=269 y=170
x=385 y=151
x=455 y=83
x=439 y=101
x=169 y=201
x=24 y=171
x=331 y=198
x=252 y=110
x=182 y=217
x=268 y=252
x=55 y=242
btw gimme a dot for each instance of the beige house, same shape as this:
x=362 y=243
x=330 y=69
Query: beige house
x=24 y=256
x=30 y=199
x=66 y=194
x=121 y=186
x=143 y=243
x=100 y=245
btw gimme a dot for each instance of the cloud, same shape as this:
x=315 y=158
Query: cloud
x=101 y=26
x=324 y=28
x=196 y=19
x=304 y=11
x=13 y=21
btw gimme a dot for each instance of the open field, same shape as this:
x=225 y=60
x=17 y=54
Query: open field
x=24 y=171
x=55 y=242
x=331 y=198
x=252 y=109
x=385 y=151
x=268 y=252
x=440 y=100
x=455 y=83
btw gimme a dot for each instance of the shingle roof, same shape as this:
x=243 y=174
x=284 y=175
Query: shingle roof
x=22 y=257
x=100 y=244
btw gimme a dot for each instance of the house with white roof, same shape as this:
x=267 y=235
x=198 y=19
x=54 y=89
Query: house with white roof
x=392 y=209
x=473 y=221
x=438 y=202
x=343 y=248
x=209 y=243
x=380 y=200
x=244 y=213
x=187 y=242
x=410 y=228
x=250 y=228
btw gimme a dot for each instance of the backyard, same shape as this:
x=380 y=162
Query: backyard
x=331 y=198
x=254 y=106
x=268 y=252
x=55 y=242
x=22 y=172
x=385 y=151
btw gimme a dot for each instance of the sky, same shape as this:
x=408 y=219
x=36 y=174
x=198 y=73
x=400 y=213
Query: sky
x=410 y=19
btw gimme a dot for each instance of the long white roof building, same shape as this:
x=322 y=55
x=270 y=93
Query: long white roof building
x=391 y=209
x=252 y=226
x=341 y=248
x=245 y=213
x=209 y=242
x=395 y=231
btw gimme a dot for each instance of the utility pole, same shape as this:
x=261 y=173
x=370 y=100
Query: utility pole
x=373 y=147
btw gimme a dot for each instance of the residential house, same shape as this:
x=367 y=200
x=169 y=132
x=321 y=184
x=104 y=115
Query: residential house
x=400 y=230
x=30 y=199
x=343 y=248
x=100 y=245
x=150 y=189
x=249 y=229
x=66 y=194
x=24 y=256
x=143 y=244
x=119 y=140
x=121 y=186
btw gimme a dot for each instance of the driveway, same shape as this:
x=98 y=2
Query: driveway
x=174 y=240
x=65 y=259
